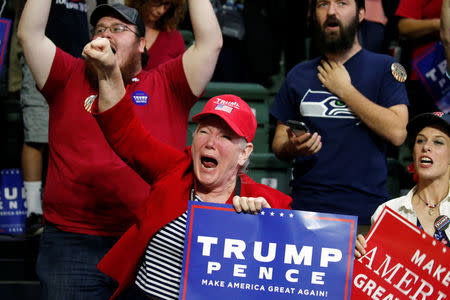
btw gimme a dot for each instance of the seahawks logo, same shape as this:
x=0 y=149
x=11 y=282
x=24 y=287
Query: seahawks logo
x=323 y=104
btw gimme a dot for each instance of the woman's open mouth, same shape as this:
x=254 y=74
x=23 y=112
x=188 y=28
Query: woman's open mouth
x=209 y=162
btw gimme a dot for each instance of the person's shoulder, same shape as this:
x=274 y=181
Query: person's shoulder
x=144 y=75
x=171 y=66
x=383 y=64
x=176 y=38
x=64 y=62
x=378 y=59
x=175 y=33
x=275 y=198
x=306 y=65
x=171 y=34
x=304 y=69
x=396 y=203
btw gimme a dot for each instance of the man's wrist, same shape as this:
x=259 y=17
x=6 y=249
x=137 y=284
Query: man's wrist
x=346 y=93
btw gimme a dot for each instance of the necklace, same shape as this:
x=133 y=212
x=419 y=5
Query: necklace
x=431 y=207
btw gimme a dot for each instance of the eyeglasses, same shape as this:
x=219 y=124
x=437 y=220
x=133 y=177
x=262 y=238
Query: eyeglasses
x=114 y=28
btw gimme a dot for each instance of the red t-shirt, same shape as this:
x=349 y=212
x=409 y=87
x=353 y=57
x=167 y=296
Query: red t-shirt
x=167 y=45
x=89 y=189
x=420 y=10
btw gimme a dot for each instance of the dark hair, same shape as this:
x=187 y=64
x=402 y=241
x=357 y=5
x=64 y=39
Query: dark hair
x=119 y=11
x=360 y=4
x=419 y=122
x=144 y=58
x=112 y=11
x=170 y=20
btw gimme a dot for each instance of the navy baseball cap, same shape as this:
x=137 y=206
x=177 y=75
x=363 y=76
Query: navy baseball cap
x=127 y=13
x=419 y=122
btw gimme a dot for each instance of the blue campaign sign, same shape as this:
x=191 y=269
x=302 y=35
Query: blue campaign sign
x=5 y=25
x=13 y=211
x=276 y=254
x=430 y=66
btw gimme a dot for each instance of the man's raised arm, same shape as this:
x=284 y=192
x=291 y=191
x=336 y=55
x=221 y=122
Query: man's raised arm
x=38 y=49
x=200 y=59
x=445 y=30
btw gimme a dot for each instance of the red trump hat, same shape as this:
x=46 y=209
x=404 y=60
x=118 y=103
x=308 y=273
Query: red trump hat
x=234 y=111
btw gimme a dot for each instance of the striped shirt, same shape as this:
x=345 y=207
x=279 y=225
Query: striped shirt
x=160 y=271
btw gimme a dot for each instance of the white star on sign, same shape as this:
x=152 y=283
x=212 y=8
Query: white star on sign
x=272 y=214
x=281 y=215
x=263 y=213
x=291 y=215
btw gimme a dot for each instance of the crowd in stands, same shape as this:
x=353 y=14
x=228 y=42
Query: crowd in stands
x=351 y=71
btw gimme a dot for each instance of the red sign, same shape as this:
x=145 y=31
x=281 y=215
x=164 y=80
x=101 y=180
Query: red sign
x=402 y=262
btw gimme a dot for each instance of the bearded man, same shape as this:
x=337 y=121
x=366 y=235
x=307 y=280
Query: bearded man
x=354 y=103
x=91 y=196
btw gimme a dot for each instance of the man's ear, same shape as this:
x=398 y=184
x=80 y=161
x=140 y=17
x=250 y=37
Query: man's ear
x=141 y=45
x=361 y=14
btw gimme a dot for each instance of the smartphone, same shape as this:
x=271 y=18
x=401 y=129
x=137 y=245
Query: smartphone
x=299 y=128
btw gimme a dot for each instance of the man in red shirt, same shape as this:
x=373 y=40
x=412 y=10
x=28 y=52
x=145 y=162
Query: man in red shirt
x=445 y=32
x=91 y=196
x=419 y=23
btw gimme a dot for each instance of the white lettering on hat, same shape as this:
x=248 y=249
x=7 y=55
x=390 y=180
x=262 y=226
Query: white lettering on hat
x=232 y=104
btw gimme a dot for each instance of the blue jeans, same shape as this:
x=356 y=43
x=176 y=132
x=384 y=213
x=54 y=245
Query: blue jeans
x=67 y=266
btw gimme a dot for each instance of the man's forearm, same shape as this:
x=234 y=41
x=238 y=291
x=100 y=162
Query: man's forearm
x=204 y=23
x=110 y=89
x=445 y=31
x=386 y=122
x=283 y=149
x=199 y=61
x=413 y=28
x=99 y=56
x=38 y=49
